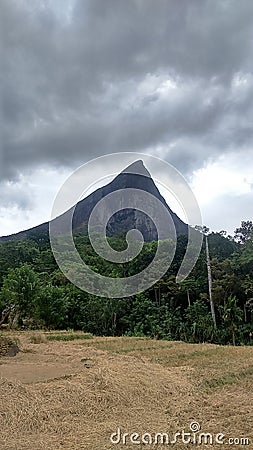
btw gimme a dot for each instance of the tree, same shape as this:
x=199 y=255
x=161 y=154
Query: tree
x=244 y=232
x=199 y=325
x=15 y=253
x=205 y=231
x=19 y=291
x=189 y=286
x=232 y=316
x=221 y=246
x=52 y=306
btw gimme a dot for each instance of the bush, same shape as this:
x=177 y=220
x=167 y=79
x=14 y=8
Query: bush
x=8 y=346
x=38 y=338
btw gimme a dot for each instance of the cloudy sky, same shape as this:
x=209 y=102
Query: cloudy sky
x=82 y=78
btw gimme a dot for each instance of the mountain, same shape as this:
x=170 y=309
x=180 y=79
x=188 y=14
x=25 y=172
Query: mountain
x=135 y=176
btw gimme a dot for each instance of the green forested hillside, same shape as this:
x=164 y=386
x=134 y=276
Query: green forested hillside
x=35 y=294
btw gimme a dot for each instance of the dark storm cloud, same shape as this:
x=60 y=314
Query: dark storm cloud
x=96 y=83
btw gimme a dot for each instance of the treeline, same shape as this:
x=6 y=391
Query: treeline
x=35 y=294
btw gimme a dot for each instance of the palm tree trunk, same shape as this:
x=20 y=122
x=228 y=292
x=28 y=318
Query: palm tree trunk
x=209 y=275
x=245 y=313
x=233 y=337
x=188 y=297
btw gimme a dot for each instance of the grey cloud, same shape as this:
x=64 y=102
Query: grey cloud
x=232 y=210
x=70 y=90
x=16 y=194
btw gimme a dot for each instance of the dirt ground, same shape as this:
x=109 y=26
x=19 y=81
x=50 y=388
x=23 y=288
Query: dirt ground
x=74 y=395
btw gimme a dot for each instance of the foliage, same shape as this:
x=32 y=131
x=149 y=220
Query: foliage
x=232 y=316
x=20 y=290
x=36 y=294
x=199 y=325
x=244 y=232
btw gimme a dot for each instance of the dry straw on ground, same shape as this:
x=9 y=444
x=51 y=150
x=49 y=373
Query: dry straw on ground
x=38 y=338
x=73 y=395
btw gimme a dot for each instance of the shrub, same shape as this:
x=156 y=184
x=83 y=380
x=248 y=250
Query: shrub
x=8 y=346
x=38 y=338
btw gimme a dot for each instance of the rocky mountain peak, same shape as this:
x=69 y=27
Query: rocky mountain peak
x=137 y=168
x=135 y=176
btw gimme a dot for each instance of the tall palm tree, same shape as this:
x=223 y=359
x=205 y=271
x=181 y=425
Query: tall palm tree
x=209 y=276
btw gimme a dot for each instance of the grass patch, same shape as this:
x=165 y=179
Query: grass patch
x=227 y=379
x=136 y=349
x=178 y=356
x=68 y=336
x=124 y=345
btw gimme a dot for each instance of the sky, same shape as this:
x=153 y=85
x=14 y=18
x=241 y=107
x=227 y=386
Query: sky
x=83 y=78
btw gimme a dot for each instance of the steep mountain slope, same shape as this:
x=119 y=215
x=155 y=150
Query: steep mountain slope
x=137 y=177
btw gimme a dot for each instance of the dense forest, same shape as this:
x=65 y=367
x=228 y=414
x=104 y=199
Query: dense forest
x=35 y=294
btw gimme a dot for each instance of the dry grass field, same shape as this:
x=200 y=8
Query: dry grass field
x=74 y=394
